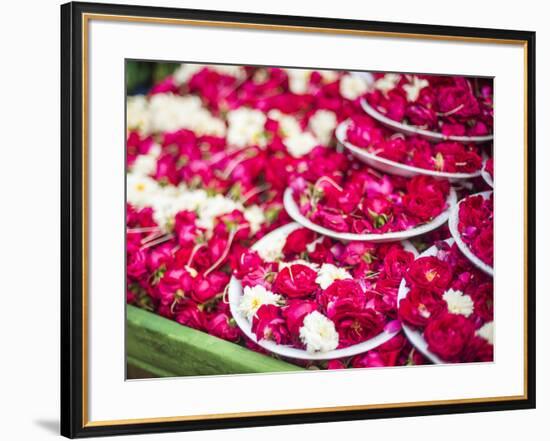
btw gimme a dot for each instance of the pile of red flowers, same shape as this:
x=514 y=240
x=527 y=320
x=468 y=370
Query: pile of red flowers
x=452 y=157
x=475 y=225
x=452 y=105
x=451 y=303
x=361 y=200
x=349 y=288
x=489 y=167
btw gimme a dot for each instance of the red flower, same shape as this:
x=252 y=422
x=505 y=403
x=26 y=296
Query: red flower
x=419 y=306
x=294 y=313
x=268 y=324
x=396 y=262
x=296 y=281
x=297 y=241
x=356 y=326
x=222 y=325
x=429 y=273
x=448 y=336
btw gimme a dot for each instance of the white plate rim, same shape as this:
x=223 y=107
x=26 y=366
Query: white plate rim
x=408 y=129
x=234 y=293
x=293 y=211
x=411 y=170
x=453 y=228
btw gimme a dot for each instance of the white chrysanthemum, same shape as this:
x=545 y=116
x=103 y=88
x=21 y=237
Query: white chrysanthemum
x=288 y=125
x=137 y=114
x=329 y=273
x=387 y=82
x=214 y=207
x=328 y=76
x=486 y=332
x=301 y=144
x=246 y=127
x=272 y=248
x=352 y=87
x=318 y=333
x=254 y=215
x=311 y=265
x=170 y=112
x=147 y=164
x=185 y=72
x=458 y=302
x=141 y=190
x=414 y=87
x=298 y=80
x=253 y=298
x=322 y=124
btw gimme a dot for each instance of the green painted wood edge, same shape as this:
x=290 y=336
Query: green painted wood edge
x=177 y=350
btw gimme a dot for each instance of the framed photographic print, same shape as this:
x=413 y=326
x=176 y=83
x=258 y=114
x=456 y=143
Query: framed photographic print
x=271 y=220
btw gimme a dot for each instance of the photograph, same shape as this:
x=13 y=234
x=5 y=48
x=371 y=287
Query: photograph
x=302 y=219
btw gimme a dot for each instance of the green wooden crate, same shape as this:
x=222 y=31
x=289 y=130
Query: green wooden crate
x=158 y=347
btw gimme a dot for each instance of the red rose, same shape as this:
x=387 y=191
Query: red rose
x=297 y=241
x=448 y=336
x=223 y=326
x=189 y=314
x=247 y=262
x=296 y=281
x=346 y=289
x=396 y=262
x=419 y=306
x=335 y=364
x=268 y=324
x=482 y=246
x=478 y=350
x=294 y=313
x=206 y=288
x=430 y=273
x=356 y=326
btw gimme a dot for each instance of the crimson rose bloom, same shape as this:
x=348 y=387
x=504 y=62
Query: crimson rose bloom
x=268 y=324
x=482 y=246
x=221 y=325
x=296 y=281
x=340 y=290
x=297 y=241
x=429 y=273
x=396 y=262
x=420 y=306
x=356 y=326
x=449 y=335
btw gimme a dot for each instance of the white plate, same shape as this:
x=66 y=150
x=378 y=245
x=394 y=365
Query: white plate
x=453 y=227
x=485 y=175
x=393 y=167
x=414 y=335
x=294 y=212
x=412 y=130
x=235 y=292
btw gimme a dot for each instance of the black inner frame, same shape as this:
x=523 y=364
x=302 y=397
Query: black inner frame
x=72 y=423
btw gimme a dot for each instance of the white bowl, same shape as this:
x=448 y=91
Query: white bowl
x=413 y=130
x=485 y=175
x=453 y=227
x=393 y=167
x=294 y=212
x=235 y=293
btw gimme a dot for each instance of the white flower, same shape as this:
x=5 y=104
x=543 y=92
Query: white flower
x=329 y=273
x=272 y=248
x=147 y=164
x=322 y=124
x=414 y=87
x=352 y=87
x=298 y=80
x=301 y=144
x=246 y=127
x=170 y=112
x=310 y=247
x=255 y=297
x=458 y=302
x=137 y=114
x=254 y=215
x=214 y=207
x=288 y=125
x=311 y=265
x=387 y=82
x=141 y=190
x=318 y=333
x=328 y=76
x=486 y=332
